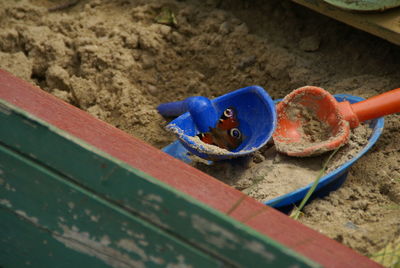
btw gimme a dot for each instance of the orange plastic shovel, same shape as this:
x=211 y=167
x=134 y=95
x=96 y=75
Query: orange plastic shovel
x=311 y=121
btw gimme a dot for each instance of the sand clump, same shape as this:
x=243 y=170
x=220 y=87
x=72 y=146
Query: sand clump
x=312 y=130
x=113 y=60
x=196 y=143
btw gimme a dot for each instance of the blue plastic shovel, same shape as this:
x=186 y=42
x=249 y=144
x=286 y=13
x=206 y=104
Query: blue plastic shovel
x=328 y=183
x=255 y=111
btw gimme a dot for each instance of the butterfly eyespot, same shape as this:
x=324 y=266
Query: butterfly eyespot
x=228 y=113
x=234 y=132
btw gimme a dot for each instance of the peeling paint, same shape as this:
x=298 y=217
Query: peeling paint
x=131 y=246
x=260 y=250
x=25 y=216
x=94 y=218
x=81 y=242
x=214 y=234
x=153 y=197
x=154 y=218
x=10 y=188
x=182 y=213
x=222 y=238
x=156 y=260
x=105 y=240
x=5 y=202
x=148 y=203
x=129 y=232
x=180 y=264
x=71 y=205
x=136 y=235
x=139 y=237
x=143 y=243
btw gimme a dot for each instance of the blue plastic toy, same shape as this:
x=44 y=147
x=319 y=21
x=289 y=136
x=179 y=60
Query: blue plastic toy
x=328 y=183
x=255 y=112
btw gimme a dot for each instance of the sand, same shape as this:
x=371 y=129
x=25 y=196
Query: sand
x=113 y=60
x=268 y=174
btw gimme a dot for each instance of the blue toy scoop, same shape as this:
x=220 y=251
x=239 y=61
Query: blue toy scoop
x=255 y=121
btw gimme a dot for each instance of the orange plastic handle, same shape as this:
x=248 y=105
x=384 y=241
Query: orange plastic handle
x=377 y=106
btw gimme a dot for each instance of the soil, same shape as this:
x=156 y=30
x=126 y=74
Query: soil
x=112 y=59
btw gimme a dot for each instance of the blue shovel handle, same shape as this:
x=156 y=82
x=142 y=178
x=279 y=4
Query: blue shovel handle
x=201 y=109
x=175 y=108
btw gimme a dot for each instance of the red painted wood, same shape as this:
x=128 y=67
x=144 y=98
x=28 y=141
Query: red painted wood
x=177 y=174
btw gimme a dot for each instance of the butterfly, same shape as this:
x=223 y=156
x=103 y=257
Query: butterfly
x=226 y=134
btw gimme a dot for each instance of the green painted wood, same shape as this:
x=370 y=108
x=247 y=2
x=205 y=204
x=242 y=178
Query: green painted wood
x=27 y=245
x=47 y=216
x=107 y=178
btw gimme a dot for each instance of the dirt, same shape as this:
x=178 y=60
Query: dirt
x=113 y=60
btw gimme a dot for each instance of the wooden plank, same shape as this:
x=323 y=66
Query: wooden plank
x=17 y=234
x=177 y=174
x=78 y=227
x=383 y=24
x=142 y=195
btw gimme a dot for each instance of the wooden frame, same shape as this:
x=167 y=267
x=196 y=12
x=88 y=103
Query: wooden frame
x=119 y=152
x=383 y=24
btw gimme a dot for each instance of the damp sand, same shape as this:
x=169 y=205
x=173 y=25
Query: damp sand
x=268 y=174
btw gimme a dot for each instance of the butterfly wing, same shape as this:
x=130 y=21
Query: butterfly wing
x=206 y=137
x=228 y=119
x=226 y=134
